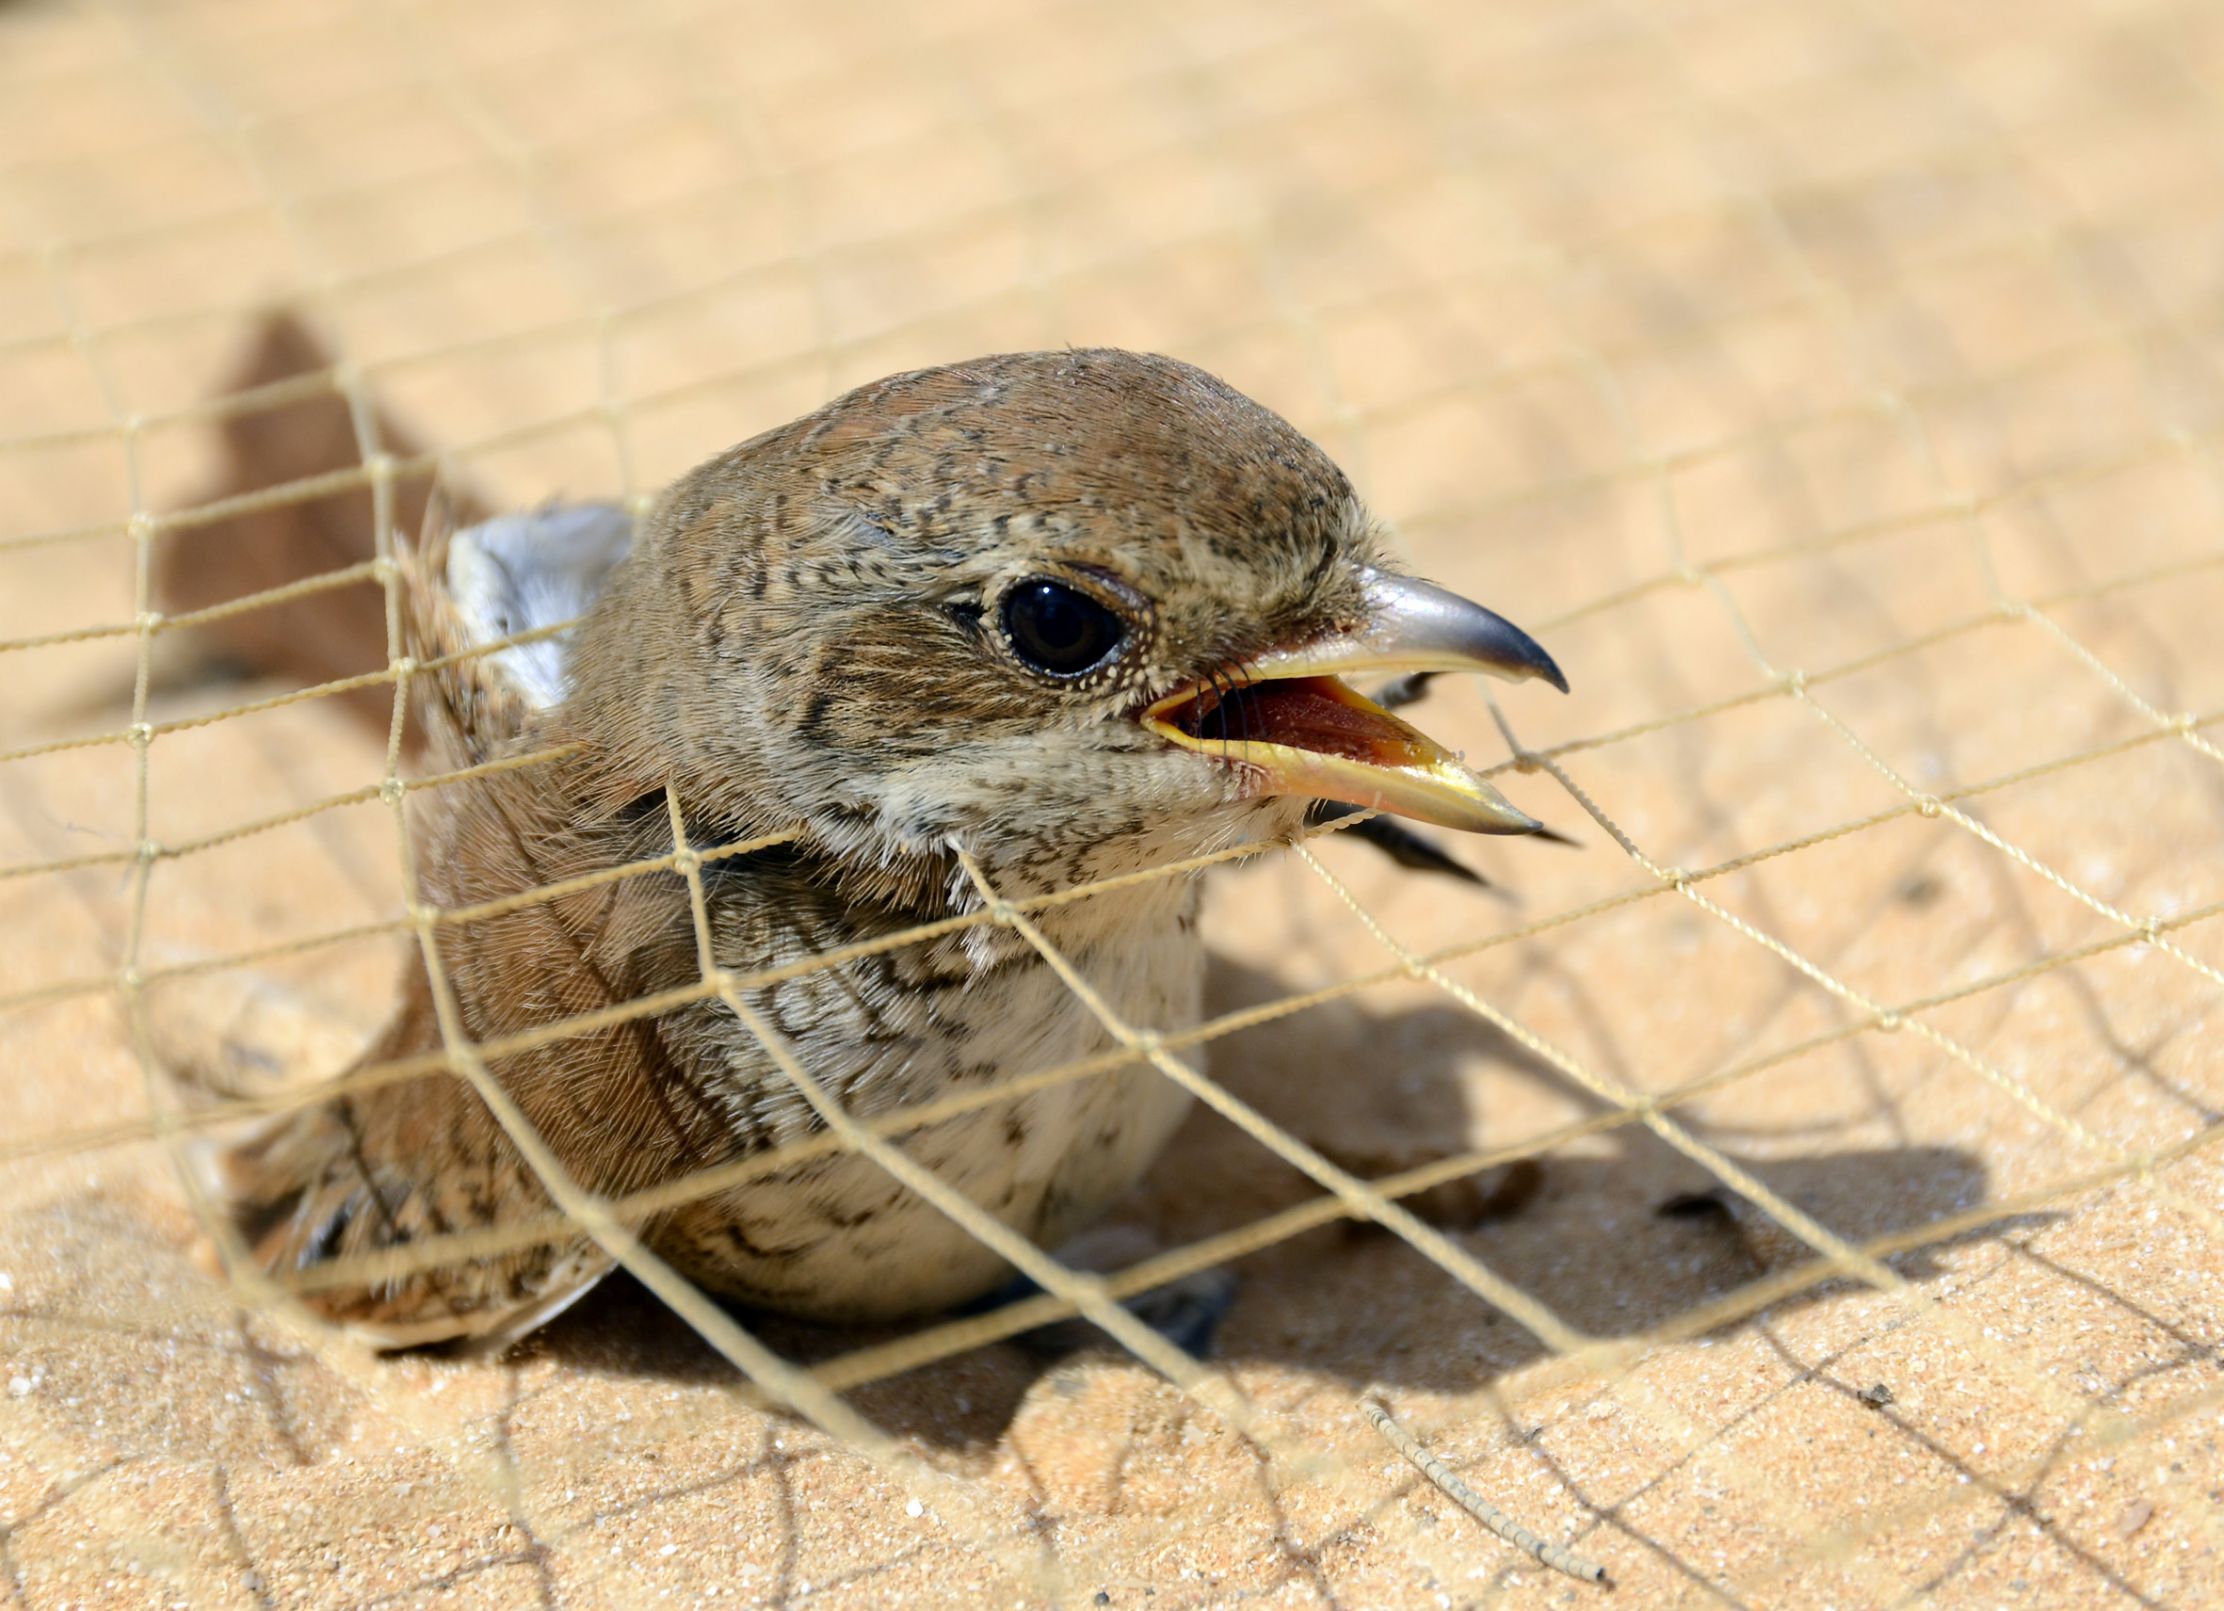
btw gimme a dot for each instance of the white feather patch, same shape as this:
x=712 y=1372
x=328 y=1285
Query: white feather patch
x=519 y=573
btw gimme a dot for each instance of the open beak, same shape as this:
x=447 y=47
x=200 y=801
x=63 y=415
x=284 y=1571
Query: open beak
x=1288 y=720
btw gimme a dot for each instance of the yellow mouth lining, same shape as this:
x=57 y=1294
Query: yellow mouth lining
x=1316 y=736
x=1314 y=714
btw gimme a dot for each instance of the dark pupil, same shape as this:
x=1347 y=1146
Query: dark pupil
x=1057 y=629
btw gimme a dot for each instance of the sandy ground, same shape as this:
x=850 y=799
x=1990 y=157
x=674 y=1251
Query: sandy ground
x=1718 y=344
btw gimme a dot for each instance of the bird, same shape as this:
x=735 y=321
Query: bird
x=1054 y=617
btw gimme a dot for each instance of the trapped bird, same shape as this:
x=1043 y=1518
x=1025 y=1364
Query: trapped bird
x=1073 y=614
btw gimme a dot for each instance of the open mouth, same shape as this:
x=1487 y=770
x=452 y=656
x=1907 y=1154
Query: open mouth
x=1292 y=726
x=1318 y=737
x=1318 y=715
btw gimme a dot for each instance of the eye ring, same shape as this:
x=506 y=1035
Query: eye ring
x=1058 y=630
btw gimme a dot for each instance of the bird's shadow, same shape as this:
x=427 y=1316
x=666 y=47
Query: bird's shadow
x=1622 y=1238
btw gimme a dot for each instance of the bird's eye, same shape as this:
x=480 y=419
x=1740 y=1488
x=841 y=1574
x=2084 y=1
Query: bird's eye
x=1059 y=630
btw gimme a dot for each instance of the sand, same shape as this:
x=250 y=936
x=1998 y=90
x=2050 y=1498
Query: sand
x=1835 y=392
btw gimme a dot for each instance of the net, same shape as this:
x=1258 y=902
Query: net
x=1802 y=1192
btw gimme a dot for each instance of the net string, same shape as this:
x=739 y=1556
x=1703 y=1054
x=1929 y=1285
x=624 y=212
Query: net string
x=1834 y=307
x=1358 y=1196
x=1837 y=1256
x=141 y=730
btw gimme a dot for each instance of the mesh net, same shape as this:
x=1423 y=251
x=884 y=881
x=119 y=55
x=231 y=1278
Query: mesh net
x=1833 y=388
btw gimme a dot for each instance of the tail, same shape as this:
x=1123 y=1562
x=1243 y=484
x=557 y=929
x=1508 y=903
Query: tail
x=309 y=1199
x=344 y=1194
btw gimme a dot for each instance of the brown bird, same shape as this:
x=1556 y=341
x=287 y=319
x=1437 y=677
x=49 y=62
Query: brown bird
x=1074 y=613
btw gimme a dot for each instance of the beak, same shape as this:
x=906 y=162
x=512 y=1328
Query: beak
x=1288 y=720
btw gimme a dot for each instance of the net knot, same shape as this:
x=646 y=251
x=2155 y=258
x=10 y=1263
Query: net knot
x=140 y=526
x=2184 y=723
x=687 y=861
x=379 y=467
x=391 y=790
x=1676 y=878
x=132 y=977
x=148 y=622
x=1928 y=805
x=1688 y=574
x=149 y=851
x=1793 y=682
x=1149 y=1042
x=140 y=734
x=2150 y=931
x=405 y=665
x=1889 y=1021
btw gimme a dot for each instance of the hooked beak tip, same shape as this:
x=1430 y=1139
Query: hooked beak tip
x=1300 y=730
x=1424 y=627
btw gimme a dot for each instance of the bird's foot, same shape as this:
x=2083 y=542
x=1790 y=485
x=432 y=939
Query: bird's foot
x=1459 y=1204
x=1187 y=1311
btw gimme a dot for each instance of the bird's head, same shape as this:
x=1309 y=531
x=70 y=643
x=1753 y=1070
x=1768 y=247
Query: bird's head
x=1072 y=611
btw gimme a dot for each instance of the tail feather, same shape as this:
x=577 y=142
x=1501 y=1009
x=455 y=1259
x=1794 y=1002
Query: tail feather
x=344 y=1177
x=306 y=1197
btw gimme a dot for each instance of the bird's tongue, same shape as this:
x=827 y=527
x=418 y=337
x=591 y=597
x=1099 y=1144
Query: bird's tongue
x=1319 y=738
x=1315 y=714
